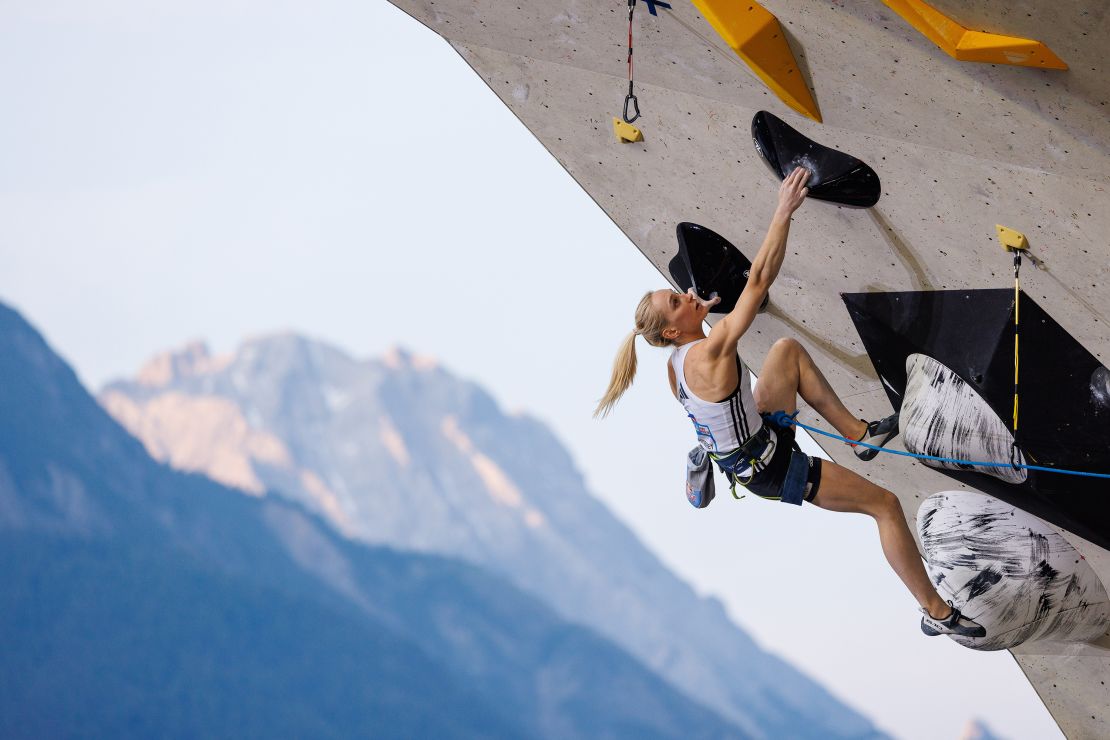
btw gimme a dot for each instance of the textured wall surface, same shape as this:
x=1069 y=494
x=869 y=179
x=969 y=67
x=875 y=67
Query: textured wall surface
x=959 y=147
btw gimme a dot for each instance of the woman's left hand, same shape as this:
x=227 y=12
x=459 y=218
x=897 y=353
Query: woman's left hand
x=713 y=299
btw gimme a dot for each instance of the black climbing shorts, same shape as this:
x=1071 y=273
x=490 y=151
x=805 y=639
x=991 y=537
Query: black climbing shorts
x=791 y=476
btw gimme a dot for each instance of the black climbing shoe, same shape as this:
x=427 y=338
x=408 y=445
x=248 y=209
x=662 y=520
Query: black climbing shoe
x=955 y=624
x=878 y=433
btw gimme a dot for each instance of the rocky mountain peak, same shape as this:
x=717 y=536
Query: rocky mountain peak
x=398 y=357
x=192 y=360
x=976 y=729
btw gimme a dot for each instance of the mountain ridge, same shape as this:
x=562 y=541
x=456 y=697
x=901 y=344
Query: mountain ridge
x=141 y=600
x=500 y=491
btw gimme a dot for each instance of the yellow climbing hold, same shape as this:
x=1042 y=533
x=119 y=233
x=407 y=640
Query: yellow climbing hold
x=626 y=132
x=756 y=36
x=974 y=46
x=1011 y=239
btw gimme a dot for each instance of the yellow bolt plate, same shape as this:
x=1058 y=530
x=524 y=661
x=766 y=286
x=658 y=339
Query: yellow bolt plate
x=626 y=133
x=1010 y=238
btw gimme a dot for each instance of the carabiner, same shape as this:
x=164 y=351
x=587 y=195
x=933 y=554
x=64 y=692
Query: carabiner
x=630 y=98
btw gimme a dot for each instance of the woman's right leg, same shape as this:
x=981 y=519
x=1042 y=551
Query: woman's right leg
x=789 y=372
x=843 y=490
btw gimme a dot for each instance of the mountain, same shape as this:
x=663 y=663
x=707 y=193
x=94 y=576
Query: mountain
x=976 y=729
x=136 y=600
x=400 y=452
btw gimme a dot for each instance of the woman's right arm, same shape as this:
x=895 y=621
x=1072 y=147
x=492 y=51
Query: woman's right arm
x=765 y=268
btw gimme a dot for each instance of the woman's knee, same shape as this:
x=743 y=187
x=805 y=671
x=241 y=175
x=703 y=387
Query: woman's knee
x=782 y=362
x=885 y=505
x=786 y=344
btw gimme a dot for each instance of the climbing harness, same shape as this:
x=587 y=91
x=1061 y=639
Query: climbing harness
x=749 y=452
x=782 y=418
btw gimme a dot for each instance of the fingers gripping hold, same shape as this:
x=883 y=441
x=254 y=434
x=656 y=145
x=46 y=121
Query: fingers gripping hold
x=793 y=190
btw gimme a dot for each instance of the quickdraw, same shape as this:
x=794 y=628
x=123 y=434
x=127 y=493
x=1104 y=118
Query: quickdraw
x=630 y=98
x=1014 y=454
x=1016 y=243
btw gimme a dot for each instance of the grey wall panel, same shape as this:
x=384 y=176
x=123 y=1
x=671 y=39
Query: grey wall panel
x=870 y=70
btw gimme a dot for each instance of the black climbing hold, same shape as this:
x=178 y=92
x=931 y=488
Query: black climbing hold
x=1062 y=406
x=708 y=263
x=834 y=176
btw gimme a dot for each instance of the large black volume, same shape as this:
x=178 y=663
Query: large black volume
x=1065 y=390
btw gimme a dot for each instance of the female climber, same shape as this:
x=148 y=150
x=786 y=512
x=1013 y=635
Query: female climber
x=735 y=426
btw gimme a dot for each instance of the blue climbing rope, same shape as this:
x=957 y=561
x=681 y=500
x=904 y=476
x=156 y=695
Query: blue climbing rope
x=782 y=419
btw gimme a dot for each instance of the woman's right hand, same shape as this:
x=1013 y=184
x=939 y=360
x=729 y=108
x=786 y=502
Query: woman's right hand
x=793 y=191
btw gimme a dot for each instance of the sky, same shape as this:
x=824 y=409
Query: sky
x=219 y=170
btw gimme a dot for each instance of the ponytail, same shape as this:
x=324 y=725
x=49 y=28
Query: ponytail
x=624 y=372
x=650 y=325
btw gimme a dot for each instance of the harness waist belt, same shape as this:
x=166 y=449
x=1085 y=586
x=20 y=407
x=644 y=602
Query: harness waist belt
x=742 y=456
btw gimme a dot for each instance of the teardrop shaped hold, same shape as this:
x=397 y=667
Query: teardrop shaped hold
x=967 y=45
x=757 y=37
x=834 y=176
x=708 y=263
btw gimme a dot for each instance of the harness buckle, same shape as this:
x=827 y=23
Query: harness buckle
x=750 y=451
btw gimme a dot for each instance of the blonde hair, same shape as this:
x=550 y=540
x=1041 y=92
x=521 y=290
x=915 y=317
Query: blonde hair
x=650 y=324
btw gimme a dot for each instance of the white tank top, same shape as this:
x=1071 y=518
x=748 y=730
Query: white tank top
x=721 y=426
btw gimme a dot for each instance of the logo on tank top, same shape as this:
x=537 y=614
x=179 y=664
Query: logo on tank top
x=705 y=435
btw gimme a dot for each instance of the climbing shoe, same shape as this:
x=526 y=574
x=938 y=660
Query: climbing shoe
x=878 y=433
x=954 y=624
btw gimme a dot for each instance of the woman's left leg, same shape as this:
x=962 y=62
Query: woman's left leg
x=843 y=490
x=788 y=372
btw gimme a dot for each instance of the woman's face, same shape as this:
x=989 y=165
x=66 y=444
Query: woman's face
x=681 y=310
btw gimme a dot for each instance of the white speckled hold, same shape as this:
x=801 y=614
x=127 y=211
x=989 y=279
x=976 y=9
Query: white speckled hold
x=943 y=416
x=1010 y=572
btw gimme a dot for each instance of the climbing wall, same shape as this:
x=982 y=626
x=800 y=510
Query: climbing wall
x=959 y=147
